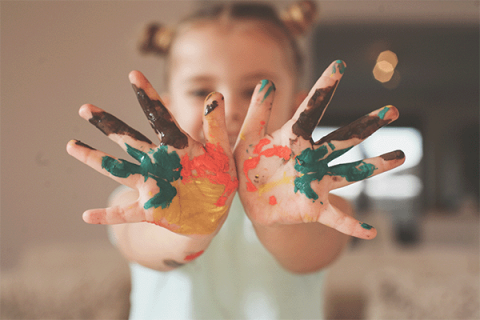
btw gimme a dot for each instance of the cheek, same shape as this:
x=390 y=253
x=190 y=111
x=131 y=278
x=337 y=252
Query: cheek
x=282 y=111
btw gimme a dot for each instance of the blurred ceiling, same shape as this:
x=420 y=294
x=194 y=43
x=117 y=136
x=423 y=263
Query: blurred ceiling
x=429 y=12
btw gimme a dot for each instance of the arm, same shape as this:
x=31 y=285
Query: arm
x=285 y=179
x=181 y=189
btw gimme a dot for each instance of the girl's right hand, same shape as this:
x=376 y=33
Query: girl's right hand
x=183 y=185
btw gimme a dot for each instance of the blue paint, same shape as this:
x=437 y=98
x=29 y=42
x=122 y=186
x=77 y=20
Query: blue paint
x=164 y=169
x=313 y=166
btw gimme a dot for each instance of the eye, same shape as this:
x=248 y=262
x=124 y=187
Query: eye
x=199 y=93
x=247 y=93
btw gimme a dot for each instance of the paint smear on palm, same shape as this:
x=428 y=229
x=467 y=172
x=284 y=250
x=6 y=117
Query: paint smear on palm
x=202 y=194
x=197 y=203
x=312 y=164
x=252 y=162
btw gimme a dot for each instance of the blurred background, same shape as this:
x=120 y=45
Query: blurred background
x=421 y=56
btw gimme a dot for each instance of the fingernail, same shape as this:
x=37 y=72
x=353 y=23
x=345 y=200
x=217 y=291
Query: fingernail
x=394 y=155
x=365 y=226
x=264 y=83
x=211 y=106
x=340 y=65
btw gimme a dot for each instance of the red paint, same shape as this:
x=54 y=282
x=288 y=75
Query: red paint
x=251 y=163
x=212 y=165
x=273 y=200
x=192 y=256
x=262 y=123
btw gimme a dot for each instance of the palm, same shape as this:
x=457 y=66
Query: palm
x=183 y=185
x=285 y=177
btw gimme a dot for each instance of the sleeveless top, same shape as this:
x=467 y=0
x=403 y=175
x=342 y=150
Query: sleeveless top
x=235 y=278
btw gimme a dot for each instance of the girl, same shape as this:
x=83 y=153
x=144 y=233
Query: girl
x=224 y=127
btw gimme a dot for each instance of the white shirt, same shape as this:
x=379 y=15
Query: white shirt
x=236 y=278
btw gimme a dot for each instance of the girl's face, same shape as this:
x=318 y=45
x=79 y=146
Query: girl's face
x=230 y=58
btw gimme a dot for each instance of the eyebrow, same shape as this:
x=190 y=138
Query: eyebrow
x=259 y=76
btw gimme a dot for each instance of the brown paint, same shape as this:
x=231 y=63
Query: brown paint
x=394 y=155
x=80 y=143
x=210 y=107
x=161 y=120
x=309 y=118
x=361 y=128
x=109 y=124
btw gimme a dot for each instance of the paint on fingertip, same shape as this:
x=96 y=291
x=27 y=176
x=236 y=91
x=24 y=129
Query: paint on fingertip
x=394 y=155
x=269 y=90
x=331 y=145
x=365 y=226
x=383 y=112
x=193 y=256
x=210 y=107
x=341 y=67
x=80 y=143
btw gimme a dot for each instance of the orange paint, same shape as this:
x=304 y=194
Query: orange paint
x=251 y=163
x=212 y=165
x=272 y=200
x=192 y=256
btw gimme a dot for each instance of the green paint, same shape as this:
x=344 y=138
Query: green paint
x=366 y=226
x=313 y=165
x=269 y=90
x=382 y=112
x=331 y=145
x=341 y=67
x=164 y=169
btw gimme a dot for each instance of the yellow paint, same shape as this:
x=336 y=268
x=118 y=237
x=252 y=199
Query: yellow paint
x=187 y=215
x=270 y=185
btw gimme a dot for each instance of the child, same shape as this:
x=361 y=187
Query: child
x=264 y=260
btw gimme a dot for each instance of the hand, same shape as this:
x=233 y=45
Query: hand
x=183 y=185
x=284 y=176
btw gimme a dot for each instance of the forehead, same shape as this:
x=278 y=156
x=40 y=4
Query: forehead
x=235 y=48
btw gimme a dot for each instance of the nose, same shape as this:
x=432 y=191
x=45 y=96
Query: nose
x=235 y=111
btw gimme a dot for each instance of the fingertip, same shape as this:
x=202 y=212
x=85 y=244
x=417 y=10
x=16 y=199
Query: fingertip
x=389 y=112
x=265 y=89
x=134 y=75
x=212 y=101
x=90 y=218
x=70 y=146
x=371 y=231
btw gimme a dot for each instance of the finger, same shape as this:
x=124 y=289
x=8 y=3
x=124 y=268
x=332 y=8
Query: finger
x=346 y=224
x=357 y=131
x=157 y=114
x=256 y=120
x=214 y=127
x=114 y=128
x=311 y=110
x=121 y=171
x=348 y=173
x=115 y=215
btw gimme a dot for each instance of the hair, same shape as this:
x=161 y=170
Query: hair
x=287 y=26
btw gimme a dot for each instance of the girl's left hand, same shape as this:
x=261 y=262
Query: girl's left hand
x=284 y=176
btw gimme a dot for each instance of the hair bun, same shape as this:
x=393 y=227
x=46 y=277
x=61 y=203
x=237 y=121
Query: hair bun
x=300 y=16
x=156 y=39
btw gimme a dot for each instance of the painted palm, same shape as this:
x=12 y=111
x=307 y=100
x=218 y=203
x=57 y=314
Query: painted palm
x=183 y=185
x=285 y=176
